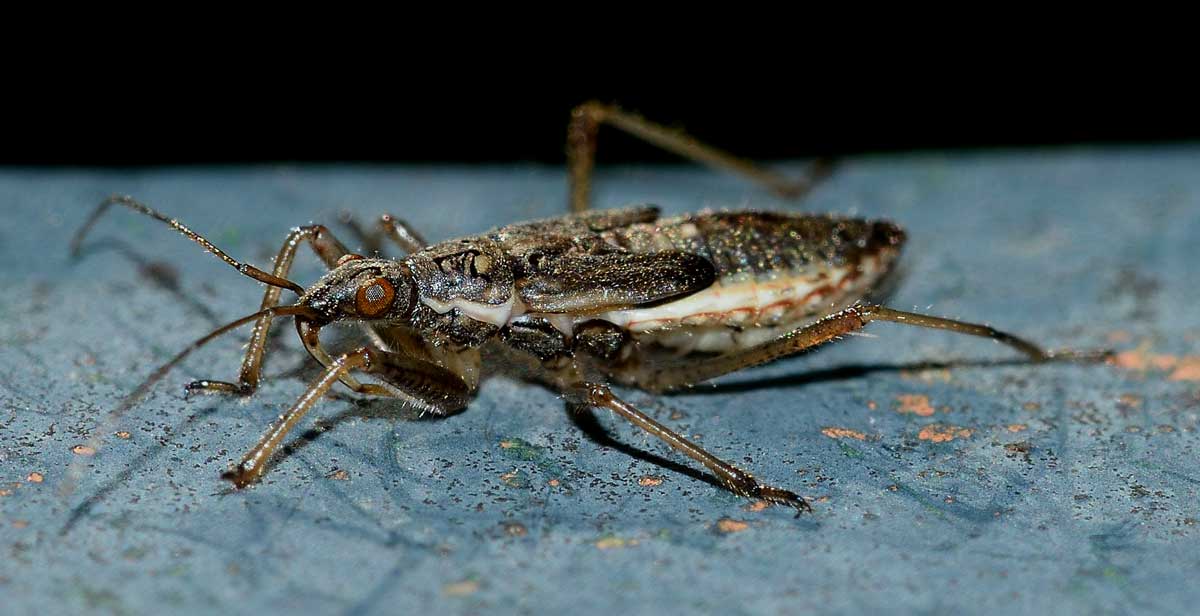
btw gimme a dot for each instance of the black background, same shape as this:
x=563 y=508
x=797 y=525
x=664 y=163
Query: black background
x=237 y=110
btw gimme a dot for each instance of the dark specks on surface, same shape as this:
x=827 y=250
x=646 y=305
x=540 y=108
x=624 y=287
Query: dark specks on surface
x=1035 y=489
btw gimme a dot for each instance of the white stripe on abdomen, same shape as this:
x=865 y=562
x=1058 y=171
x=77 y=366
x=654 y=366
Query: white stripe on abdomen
x=732 y=315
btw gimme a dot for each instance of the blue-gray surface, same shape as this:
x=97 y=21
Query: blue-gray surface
x=983 y=487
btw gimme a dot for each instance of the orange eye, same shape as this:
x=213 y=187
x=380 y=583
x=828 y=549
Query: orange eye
x=375 y=297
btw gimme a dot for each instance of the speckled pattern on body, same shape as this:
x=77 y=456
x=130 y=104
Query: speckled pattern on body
x=990 y=486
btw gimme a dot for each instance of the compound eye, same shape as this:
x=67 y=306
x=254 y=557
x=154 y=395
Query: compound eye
x=375 y=297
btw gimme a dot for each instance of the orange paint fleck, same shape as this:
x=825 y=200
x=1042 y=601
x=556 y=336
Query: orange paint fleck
x=460 y=589
x=728 y=525
x=506 y=444
x=933 y=375
x=872 y=405
x=123 y=435
x=757 y=506
x=609 y=543
x=554 y=483
x=1133 y=360
x=35 y=477
x=20 y=523
x=5 y=492
x=1162 y=362
x=649 y=481
x=835 y=432
x=515 y=529
x=1017 y=427
x=915 y=404
x=940 y=433
x=1181 y=368
x=1188 y=369
x=83 y=450
x=1130 y=400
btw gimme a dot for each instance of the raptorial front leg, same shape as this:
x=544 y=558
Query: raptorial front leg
x=581 y=153
x=330 y=250
x=680 y=374
x=426 y=386
x=735 y=479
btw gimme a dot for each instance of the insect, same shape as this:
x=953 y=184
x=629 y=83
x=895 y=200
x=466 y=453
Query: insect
x=578 y=302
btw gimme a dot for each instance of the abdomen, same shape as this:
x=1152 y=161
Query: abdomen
x=775 y=272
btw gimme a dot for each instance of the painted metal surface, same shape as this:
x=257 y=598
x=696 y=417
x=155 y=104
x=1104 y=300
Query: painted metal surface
x=990 y=485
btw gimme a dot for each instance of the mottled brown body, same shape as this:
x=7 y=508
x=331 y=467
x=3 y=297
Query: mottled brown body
x=766 y=245
x=770 y=273
x=774 y=272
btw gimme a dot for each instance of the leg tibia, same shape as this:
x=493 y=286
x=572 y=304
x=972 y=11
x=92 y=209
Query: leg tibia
x=581 y=153
x=736 y=480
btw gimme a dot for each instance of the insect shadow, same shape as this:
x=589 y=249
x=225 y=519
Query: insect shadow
x=140 y=462
x=159 y=273
x=847 y=372
x=586 y=421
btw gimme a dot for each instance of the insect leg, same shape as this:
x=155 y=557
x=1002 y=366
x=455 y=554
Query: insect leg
x=681 y=374
x=75 y=470
x=421 y=384
x=402 y=234
x=736 y=480
x=581 y=153
x=129 y=202
x=162 y=274
x=1032 y=351
x=368 y=239
x=329 y=249
x=394 y=229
